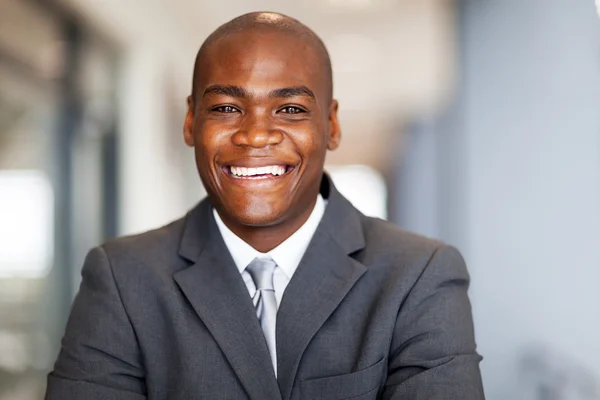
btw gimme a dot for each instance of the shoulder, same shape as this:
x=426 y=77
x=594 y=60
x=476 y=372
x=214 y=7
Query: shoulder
x=408 y=257
x=385 y=241
x=156 y=245
x=385 y=236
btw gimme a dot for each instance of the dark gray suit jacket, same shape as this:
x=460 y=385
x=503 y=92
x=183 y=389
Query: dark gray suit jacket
x=372 y=312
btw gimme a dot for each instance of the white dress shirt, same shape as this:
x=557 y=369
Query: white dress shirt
x=287 y=255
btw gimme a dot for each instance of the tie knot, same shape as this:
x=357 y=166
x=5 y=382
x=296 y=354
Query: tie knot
x=261 y=271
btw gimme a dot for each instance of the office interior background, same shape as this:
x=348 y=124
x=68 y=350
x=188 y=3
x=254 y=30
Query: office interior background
x=473 y=121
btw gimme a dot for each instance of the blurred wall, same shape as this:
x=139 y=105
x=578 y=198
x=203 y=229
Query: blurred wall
x=157 y=181
x=518 y=183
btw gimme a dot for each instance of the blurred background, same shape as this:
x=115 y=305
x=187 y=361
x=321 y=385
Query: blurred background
x=473 y=121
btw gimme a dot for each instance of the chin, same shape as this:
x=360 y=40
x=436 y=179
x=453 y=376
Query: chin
x=258 y=220
x=257 y=215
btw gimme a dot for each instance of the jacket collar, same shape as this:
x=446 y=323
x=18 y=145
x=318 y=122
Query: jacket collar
x=216 y=290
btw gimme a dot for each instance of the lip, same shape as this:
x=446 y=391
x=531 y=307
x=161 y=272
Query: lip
x=258 y=182
x=255 y=162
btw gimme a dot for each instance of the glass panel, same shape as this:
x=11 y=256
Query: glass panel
x=26 y=240
x=30 y=315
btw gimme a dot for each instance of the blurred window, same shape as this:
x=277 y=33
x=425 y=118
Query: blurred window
x=363 y=186
x=26 y=232
x=57 y=180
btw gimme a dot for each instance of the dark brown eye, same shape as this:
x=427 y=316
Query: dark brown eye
x=225 y=109
x=292 y=110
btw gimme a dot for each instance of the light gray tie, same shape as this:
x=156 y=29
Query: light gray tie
x=261 y=270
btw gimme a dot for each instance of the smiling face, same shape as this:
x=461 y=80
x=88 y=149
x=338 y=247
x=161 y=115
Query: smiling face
x=261 y=121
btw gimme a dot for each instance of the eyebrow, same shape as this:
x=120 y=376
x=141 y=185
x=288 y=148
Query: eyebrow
x=236 y=91
x=292 y=92
x=226 y=90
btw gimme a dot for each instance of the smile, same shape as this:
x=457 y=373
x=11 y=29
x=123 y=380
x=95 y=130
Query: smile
x=255 y=173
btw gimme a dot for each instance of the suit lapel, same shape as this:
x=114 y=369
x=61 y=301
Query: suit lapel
x=323 y=278
x=216 y=290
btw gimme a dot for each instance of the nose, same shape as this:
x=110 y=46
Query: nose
x=257 y=131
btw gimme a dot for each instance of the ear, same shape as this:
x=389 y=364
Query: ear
x=335 y=133
x=188 y=124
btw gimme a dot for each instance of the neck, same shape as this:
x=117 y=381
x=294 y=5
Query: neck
x=266 y=238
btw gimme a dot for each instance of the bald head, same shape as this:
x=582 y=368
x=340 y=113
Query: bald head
x=262 y=97
x=267 y=22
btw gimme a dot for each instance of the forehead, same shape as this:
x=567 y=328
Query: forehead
x=262 y=60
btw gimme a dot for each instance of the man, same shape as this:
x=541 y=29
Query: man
x=275 y=287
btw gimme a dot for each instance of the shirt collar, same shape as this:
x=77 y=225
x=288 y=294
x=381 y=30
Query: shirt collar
x=287 y=255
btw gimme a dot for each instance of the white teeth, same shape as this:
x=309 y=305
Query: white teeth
x=276 y=170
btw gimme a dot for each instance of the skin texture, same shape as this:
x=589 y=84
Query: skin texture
x=262 y=96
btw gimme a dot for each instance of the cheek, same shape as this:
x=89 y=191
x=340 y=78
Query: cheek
x=204 y=154
x=207 y=142
x=313 y=148
x=213 y=138
x=310 y=140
